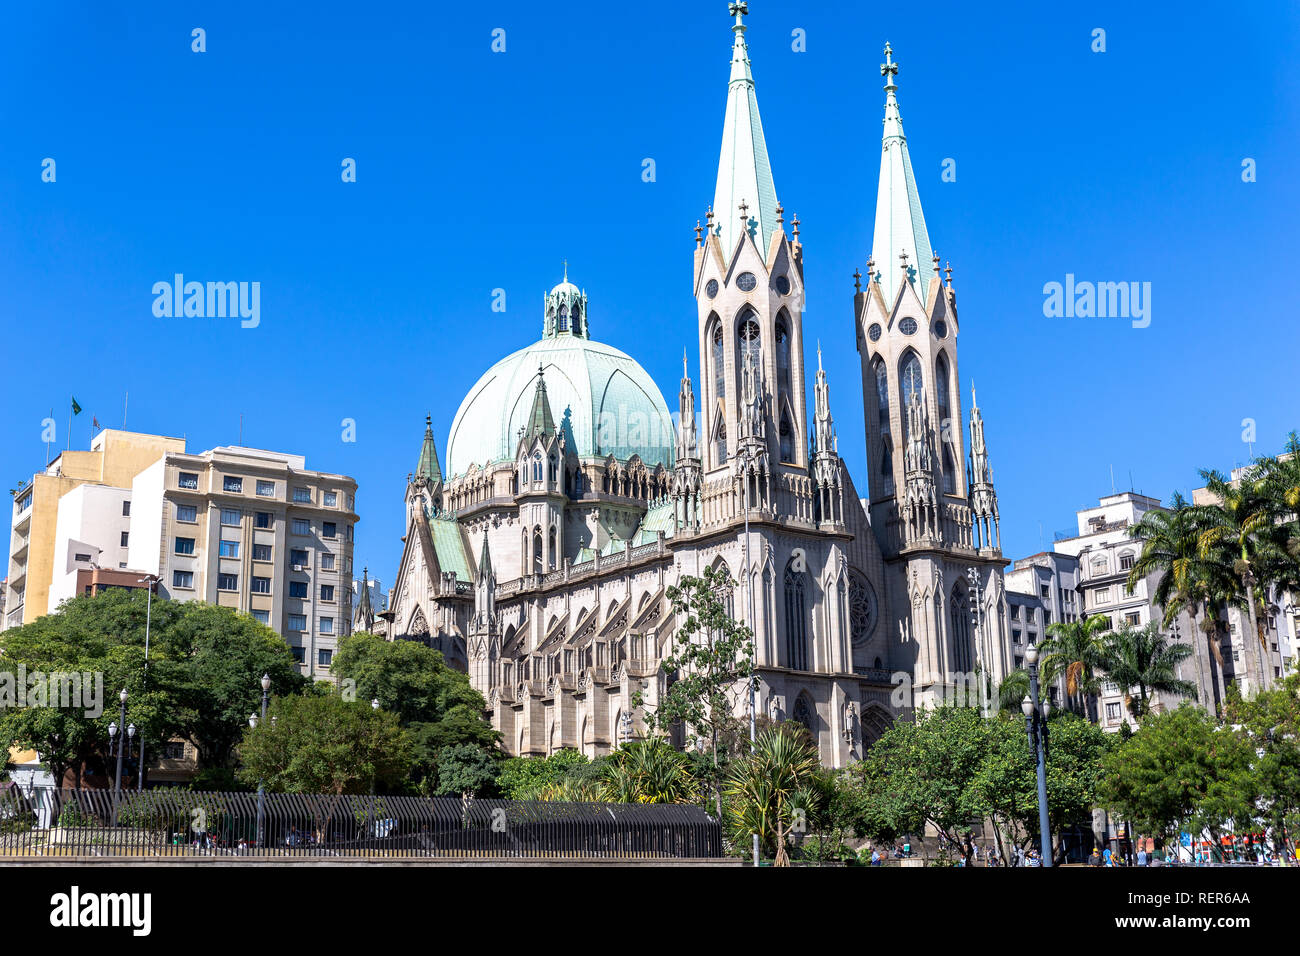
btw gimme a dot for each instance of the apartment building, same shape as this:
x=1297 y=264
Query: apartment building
x=38 y=550
x=255 y=531
x=1041 y=590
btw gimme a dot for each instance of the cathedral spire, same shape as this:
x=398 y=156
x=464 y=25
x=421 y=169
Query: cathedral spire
x=365 y=614
x=540 y=420
x=900 y=224
x=428 y=467
x=744 y=172
x=687 y=439
x=826 y=441
x=983 y=498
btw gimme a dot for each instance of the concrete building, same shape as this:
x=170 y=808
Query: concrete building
x=254 y=531
x=36 y=552
x=238 y=527
x=1042 y=589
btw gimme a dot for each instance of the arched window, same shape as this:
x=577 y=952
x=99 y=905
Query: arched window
x=783 y=363
x=537 y=466
x=946 y=424
x=787 y=438
x=719 y=363
x=537 y=550
x=804 y=713
x=550 y=475
x=564 y=318
x=749 y=338
x=949 y=470
x=963 y=650
x=911 y=382
x=551 y=561
x=942 y=398
x=796 y=619
x=720 y=444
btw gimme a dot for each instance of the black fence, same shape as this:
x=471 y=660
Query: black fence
x=155 y=823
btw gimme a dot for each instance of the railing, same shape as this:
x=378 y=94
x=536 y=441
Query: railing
x=46 y=822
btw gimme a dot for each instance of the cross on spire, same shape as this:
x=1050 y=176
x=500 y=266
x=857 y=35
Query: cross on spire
x=739 y=11
x=889 y=69
x=857 y=284
x=795 y=223
x=699 y=230
x=948 y=272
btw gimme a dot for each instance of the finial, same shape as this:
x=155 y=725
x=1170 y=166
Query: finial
x=857 y=280
x=871 y=270
x=889 y=69
x=428 y=421
x=685 y=369
x=819 y=355
x=566 y=270
x=795 y=223
x=699 y=233
x=739 y=10
x=780 y=214
x=708 y=216
x=936 y=263
x=539 y=370
x=744 y=212
x=948 y=273
x=902 y=257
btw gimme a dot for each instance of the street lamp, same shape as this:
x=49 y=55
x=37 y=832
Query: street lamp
x=112 y=731
x=151 y=580
x=1036 y=727
x=261 y=783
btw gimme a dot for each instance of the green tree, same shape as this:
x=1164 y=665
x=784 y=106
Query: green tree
x=768 y=791
x=524 y=778
x=325 y=744
x=1179 y=771
x=1270 y=722
x=465 y=770
x=711 y=659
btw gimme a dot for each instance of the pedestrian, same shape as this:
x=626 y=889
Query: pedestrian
x=1107 y=857
x=1020 y=856
x=1095 y=859
x=1142 y=856
x=875 y=857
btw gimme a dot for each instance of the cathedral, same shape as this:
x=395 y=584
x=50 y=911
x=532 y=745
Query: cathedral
x=539 y=557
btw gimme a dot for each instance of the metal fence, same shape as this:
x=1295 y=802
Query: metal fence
x=156 y=823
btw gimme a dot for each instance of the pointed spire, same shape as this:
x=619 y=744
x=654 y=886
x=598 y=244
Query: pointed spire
x=484 y=560
x=825 y=425
x=540 y=420
x=687 y=439
x=981 y=471
x=744 y=171
x=428 y=467
x=365 y=616
x=900 y=224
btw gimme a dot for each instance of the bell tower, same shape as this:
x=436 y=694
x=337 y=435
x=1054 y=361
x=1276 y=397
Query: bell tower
x=748 y=277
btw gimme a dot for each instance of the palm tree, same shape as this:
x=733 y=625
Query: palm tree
x=1073 y=651
x=1240 y=537
x=1013 y=689
x=1146 y=659
x=1171 y=547
x=648 y=771
x=766 y=785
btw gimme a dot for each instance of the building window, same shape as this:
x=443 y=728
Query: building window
x=1133 y=618
x=299 y=655
x=126 y=509
x=796 y=620
x=1015 y=612
x=266 y=489
x=227 y=582
x=1100 y=596
x=327 y=592
x=1126 y=562
x=261 y=585
x=302 y=495
x=331 y=500
x=326 y=561
x=325 y=656
x=261 y=552
x=1015 y=635
x=263 y=519
x=188 y=479
x=261 y=617
x=298 y=622
x=298 y=557
x=230 y=516
x=329 y=530
x=125 y=535
x=297 y=589
x=187 y=513
x=301 y=526
x=182 y=579
x=327 y=625
x=229 y=549
x=1112 y=713
x=184 y=545
x=232 y=484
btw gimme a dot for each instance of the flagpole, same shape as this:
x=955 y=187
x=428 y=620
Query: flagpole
x=47 y=441
x=125 y=402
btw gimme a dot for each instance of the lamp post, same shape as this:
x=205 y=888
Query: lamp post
x=1036 y=727
x=261 y=783
x=151 y=580
x=112 y=732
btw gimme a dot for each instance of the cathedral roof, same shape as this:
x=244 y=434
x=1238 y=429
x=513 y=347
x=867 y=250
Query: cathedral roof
x=449 y=545
x=600 y=397
x=900 y=224
x=744 y=171
x=428 y=466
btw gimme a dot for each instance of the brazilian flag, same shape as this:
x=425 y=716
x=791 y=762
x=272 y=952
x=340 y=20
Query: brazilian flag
x=76 y=409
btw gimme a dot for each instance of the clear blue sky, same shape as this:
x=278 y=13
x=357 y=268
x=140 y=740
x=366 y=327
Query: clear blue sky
x=479 y=170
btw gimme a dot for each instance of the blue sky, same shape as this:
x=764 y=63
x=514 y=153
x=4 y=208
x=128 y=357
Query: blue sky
x=479 y=170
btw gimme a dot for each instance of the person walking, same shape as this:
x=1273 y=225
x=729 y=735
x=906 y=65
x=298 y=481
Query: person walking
x=1142 y=856
x=875 y=857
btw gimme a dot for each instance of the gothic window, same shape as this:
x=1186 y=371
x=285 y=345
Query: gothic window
x=783 y=352
x=576 y=316
x=749 y=338
x=882 y=396
x=564 y=318
x=962 y=646
x=949 y=471
x=803 y=713
x=887 y=463
x=537 y=466
x=796 y=619
x=911 y=381
x=551 y=474
x=720 y=445
x=551 y=562
x=719 y=365
x=537 y=550
x=787 y=438
x=946 y=424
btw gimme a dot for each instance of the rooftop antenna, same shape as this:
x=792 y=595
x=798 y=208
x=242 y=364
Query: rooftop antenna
x=1112 y=479
x=241 y=430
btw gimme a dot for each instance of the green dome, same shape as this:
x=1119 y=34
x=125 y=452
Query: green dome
x=601 y=398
